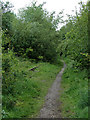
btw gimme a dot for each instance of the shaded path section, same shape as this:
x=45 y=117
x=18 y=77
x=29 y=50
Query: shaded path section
x=50 y=108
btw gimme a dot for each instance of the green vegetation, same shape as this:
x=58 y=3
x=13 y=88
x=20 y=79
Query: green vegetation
x=31 y=45
x=26 y=44
x=74 y=95
x=74 y=46
x=28 y=34
x=24 y=89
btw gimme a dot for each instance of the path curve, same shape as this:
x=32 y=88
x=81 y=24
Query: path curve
x=50 y=108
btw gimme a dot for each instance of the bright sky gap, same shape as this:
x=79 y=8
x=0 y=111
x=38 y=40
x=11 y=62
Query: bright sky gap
x=50 y=6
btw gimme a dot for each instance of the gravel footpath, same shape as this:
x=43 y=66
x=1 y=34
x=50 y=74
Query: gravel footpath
x=50 y=108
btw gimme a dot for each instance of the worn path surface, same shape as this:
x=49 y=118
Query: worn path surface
x=50 y=108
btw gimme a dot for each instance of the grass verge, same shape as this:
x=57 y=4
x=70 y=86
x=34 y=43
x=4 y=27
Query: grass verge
x=74 y=93
x=26 y=97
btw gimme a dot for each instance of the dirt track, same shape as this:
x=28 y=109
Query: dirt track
x=50 y=108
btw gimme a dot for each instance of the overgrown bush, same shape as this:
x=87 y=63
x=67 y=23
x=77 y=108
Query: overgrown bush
x=75 y=44
x=8 y=81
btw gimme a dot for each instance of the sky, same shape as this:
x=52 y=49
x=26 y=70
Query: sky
x=51 y=5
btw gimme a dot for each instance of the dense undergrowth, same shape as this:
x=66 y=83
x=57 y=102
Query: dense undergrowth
x=75 y=51
x=74 y=94
x=25 y=44
x=24 y=89
x=32 y=39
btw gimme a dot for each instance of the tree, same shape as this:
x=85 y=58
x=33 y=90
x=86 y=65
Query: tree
x=75 y=43
x=7 y=17
x=35 y=34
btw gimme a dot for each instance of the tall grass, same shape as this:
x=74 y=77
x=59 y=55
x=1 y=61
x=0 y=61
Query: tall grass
x=74 y=96
x=23 y=89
